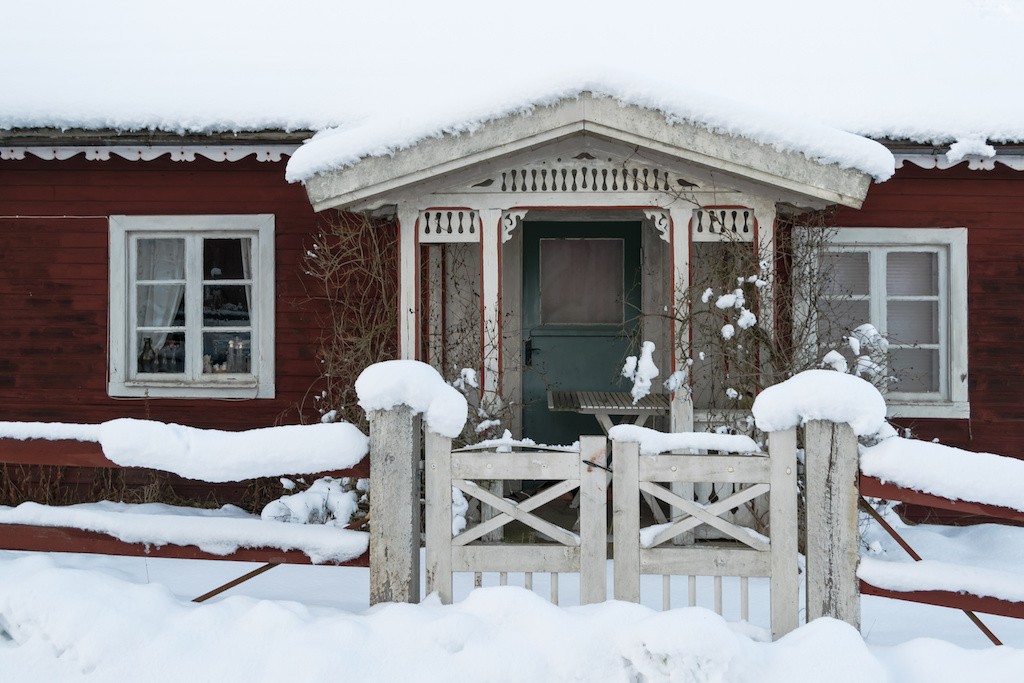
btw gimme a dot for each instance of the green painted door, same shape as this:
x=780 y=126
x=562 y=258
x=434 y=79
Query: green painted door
x=581 y=310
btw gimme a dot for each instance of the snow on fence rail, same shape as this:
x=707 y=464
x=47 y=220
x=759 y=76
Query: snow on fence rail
x=202 y=455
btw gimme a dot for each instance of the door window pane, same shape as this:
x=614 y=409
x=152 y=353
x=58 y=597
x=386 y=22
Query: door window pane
x=581 y=281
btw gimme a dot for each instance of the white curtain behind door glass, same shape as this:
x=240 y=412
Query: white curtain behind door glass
x=159 y=260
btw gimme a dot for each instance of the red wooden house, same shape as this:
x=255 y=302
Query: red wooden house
x=152 y=261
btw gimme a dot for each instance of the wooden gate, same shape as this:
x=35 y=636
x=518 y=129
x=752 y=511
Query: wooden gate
x=746 y=554
x=565 y=469
x=636 y=551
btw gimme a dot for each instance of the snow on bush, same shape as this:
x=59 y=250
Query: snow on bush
x=641 y=372
x=653 y=442
x=326 y=501
x=382 y=386
x=946 y=471
x=820 y=395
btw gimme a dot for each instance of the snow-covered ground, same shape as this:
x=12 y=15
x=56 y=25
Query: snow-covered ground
x=74 y=617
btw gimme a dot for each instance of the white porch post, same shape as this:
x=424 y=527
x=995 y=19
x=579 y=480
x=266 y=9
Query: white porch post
x=681 y=417
x=407 y=279
x=490 y=239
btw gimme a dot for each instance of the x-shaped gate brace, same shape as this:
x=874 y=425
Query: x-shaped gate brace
x=700 y=514
x=517 y=511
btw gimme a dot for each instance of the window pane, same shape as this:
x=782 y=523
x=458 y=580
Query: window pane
x=914 y=322
x=846 y=272
x=160 y=306
x=226 y=305
x=916 y=370
x=161 y=352
x=837 y=319
x=912 y=273
x=227 y=259
x=160 y=259
x=226 y=352
x=581 y=281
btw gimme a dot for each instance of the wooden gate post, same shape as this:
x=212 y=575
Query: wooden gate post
x=832 y=534
x=438 y=493
x=593 y=520
x=394 y=505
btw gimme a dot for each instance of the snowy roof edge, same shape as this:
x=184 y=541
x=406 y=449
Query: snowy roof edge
x=337 y=149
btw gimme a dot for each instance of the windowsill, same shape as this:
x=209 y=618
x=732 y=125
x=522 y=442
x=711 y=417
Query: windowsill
x=225 y=388
x=960 y=411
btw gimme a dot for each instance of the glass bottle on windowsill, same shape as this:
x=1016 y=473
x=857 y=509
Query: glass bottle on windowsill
x=147 y=359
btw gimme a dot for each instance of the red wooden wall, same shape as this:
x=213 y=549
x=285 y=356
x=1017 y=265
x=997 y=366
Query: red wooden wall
x=53 y=283
x=990 y=204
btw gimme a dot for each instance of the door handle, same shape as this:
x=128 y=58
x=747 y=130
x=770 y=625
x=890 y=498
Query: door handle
x=528 y=352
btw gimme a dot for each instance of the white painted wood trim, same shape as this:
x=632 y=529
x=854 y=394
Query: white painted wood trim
x=626 y=520
x=593 y=519
x=785 y=589
x=491 y=301
x=408 y=278
x=955 y=401
x=260 y=381
x=438 y=516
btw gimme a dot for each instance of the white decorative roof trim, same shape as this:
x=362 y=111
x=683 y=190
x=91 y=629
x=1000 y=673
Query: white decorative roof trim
x=149 y=153
x=974 y=162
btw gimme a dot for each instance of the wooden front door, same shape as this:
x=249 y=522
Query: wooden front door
x=581 y=312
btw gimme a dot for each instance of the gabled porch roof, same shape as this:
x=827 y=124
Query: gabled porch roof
x=809 y=164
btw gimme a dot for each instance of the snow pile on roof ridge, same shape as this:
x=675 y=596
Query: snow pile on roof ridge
x=653 y=442
x=946 y=471
x=382 y=386
x=932 y=575
x=209 y=454
x=219 y=532
x=820 y=395
x=339 y=148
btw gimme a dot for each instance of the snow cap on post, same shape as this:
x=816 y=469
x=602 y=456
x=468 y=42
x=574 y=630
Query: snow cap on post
x=820 y=395
x=383 y=386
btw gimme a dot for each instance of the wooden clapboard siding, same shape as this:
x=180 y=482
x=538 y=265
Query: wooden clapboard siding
x=54 y=281
x=990 y=204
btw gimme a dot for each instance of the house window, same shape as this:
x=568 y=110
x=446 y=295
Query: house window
x=911 y=285
x=192 y=306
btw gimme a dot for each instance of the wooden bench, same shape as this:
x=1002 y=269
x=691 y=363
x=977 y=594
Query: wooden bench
x=604 y=404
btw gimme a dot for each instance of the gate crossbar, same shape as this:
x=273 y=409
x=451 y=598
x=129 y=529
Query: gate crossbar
x=517 y=511
x=699 y=514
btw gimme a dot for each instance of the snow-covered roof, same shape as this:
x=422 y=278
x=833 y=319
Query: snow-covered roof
x=388 y=73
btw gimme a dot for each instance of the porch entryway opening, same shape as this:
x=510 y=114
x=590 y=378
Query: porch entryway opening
x=581 y=316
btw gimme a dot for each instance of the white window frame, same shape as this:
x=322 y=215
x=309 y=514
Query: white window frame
x=122 y=379
x=951 y=401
